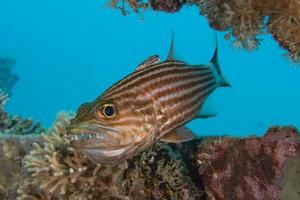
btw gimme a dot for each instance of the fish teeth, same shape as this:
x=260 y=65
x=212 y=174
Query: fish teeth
x=73 y=137
x=84 y=136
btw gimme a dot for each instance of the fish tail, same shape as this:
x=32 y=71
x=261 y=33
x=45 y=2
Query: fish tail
x=221 y=81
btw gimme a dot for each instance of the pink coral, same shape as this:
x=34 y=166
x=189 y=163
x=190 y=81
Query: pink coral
x=250 y=168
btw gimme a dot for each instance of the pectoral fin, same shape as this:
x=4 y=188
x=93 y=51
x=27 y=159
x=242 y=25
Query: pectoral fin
x=179 y=135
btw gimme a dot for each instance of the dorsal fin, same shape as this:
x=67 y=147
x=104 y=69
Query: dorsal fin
x=171 y=50
x=148 y=62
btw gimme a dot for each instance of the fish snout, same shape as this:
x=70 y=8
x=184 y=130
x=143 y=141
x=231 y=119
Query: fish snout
x=102 y=146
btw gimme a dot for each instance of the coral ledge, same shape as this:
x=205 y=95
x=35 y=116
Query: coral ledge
x=43 y=166
x=243 y=20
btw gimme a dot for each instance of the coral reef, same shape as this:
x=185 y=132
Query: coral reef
x=167 y=6
x=7 y=78
x=53 y=170
x=160 y=173
x=212 y=168
x=45 y=167
x=12 y=151
x=135 y=5
x=291 y=180
x=251 y=168
x=243 y=20
x=15 y=125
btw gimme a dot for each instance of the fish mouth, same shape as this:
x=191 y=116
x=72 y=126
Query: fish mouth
x=93 y=137
x=89 y=132
x=98 y=144
x=80 y=134
x=85 y=136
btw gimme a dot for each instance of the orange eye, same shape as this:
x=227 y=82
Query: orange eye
x=109 y=111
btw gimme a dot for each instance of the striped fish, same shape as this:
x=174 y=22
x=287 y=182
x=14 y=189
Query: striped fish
x=151 y=104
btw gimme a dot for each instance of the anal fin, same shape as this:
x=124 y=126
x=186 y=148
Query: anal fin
x=179 y=135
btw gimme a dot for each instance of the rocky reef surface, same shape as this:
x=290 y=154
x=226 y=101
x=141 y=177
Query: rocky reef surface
x=38 y=164
x=243 y=20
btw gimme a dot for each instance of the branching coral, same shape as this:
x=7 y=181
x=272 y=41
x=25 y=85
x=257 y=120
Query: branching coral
x=12 y=151
x=159 y=173
x=3 y=114
x=15 y=125
x=7 y=78
x=284 y=24
x=242 y=17
x=56 y=171
x=123 y=5
x=244 y=20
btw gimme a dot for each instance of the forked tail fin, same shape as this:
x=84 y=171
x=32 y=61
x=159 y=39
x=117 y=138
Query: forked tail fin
x=222 y=82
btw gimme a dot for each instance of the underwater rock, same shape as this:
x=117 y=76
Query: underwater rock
x=243 y=20
x=291 y=180
x=7 y=78
x=251 y=168
x=12 y=151
x=167 y=5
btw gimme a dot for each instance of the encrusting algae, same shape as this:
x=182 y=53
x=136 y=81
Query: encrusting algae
x=243 y=20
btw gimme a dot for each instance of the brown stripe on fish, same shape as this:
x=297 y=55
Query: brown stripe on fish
x=139 y=74
x=165 y=93
x=136 y=97
x=185 y=92
x=183 y=106
x=163 y=77
x=142 y=79
x=165 y=83
x=160 y=85
x=184 y=111
x=188 y=105
x=148 y=74
x=133 y=119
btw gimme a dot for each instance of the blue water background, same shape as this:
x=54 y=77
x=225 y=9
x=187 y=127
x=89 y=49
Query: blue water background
x=68 y=52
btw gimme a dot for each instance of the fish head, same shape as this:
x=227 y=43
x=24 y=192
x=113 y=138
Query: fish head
x=109 y=131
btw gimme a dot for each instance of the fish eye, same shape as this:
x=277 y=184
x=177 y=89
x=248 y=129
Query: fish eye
x=109 y=110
